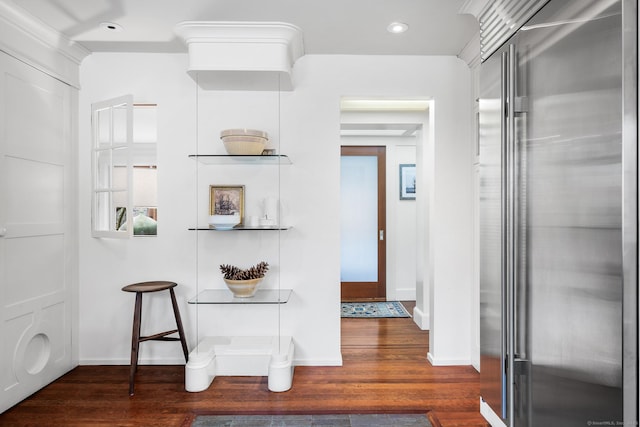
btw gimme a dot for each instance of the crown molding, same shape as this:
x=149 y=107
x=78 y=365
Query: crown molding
x=470 y=53
x=474 y=7
x=36 y=43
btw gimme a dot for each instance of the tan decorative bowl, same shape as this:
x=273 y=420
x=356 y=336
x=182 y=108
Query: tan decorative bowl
x=247 y=142
x=243 y=288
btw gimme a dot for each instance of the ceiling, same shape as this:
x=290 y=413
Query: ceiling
x=328 y=26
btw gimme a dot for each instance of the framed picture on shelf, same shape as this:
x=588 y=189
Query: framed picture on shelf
x=407 y=182
x=227 y=200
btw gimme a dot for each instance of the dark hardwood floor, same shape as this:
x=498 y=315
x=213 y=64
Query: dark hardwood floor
x=385 y=369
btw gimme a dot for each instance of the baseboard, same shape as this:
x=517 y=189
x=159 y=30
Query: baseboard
x=421 y=319
x=447 y=362
x=475 y=358
x=491 y=417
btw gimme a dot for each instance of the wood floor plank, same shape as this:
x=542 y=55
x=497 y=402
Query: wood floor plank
x=384 y=369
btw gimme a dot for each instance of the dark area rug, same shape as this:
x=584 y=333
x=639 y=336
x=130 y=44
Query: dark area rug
x=374 y=309
x=319 y=420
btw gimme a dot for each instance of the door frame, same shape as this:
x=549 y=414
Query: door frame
x=371 y=291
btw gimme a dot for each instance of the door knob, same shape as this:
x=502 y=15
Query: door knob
x=3 y=231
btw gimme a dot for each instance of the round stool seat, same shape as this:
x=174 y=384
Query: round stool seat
x=149 y=286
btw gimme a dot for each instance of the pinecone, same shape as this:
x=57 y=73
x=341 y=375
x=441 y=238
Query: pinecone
x=234 y=273
x=229 y=271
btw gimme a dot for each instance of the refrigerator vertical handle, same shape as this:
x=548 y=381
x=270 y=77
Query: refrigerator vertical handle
x=504 y=95
x=504 y=188
x=504 y=202
x=509 y=225
x=514 y=200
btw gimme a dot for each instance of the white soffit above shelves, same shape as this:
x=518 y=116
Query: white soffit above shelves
x=242 y=55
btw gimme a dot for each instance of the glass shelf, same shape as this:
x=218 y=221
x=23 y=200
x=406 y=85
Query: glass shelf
x=224 y=296
x=243 y=228
x=224 y=159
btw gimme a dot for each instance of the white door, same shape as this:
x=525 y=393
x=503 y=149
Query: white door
x=36 y=230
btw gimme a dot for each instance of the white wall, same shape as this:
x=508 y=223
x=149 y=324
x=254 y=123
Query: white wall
x=403 y=222
x=309 y=255
x=106 y=265
x=450 y=226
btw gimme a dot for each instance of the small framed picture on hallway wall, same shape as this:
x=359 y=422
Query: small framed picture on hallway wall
x=407 y=182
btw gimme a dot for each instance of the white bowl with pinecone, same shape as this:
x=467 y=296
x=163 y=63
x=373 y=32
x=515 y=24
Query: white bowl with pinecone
x=243 y=283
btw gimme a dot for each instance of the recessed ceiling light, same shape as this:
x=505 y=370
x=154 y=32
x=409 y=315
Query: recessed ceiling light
x=397 y=27
x=111 y=26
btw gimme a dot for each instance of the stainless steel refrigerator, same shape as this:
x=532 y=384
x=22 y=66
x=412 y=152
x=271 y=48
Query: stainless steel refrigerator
x=558 y=218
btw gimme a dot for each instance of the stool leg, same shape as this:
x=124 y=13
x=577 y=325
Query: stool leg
x=176 y=313
x=135 y=341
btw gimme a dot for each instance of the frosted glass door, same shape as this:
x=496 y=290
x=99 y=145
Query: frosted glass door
x=362 y=223
x=359 y=218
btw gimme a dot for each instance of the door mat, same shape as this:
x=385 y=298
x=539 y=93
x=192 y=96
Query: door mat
x=374 y=309
x=318 y=420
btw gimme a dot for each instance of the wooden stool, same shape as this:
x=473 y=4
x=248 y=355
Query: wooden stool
x=136 y=339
